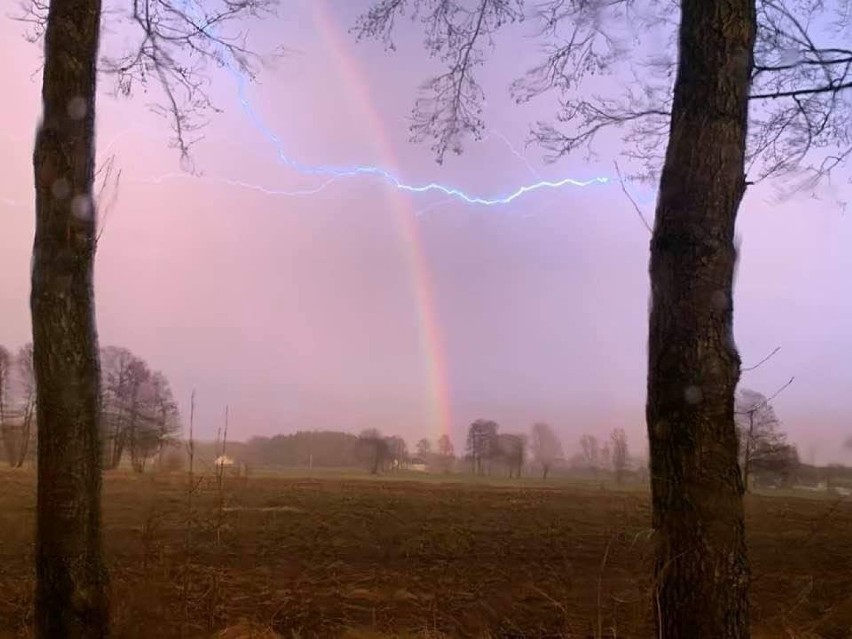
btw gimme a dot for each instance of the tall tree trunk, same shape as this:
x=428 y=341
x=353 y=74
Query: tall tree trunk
x=70 y=574
x=702 y=569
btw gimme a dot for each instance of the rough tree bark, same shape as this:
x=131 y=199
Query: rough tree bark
x=702 y=569
x=70 y=588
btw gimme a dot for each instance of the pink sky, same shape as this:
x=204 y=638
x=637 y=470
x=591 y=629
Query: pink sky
x=307 y=312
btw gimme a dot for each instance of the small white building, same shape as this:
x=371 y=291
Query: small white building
x=223 y=461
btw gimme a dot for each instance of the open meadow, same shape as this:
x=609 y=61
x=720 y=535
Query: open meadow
x=329 y=556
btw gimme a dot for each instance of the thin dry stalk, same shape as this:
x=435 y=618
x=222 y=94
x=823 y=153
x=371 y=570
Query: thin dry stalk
x=600 y=586
x=220 y=482
x=191 y=486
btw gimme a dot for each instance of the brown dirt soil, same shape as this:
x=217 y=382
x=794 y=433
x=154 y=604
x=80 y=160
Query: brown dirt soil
x=357 y=558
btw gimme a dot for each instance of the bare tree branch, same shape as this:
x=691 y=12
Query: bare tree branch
x=766 y=400
x=761 y=362
x=801 y=123
x=172 y=44
x=110 y=178
x=450 y=104
x=632 y=201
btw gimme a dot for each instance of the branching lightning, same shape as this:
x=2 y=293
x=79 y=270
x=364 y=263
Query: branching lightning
x=331 y=174
x=338 y=172
x=334 y=173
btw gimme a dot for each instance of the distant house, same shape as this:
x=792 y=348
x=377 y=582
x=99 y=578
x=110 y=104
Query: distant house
x=418 y=465
x=223 y=461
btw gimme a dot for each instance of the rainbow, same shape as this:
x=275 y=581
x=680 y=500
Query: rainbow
x=431 y=343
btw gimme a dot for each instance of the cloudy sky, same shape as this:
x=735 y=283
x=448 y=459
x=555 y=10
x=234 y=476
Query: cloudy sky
x=365 y=306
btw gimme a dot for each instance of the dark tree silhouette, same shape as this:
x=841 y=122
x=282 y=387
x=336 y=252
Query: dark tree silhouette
x=481 y=443
x=446 y=453
x=693 y=364
x=397 y=451
x=763 y=446
x=445 y=446
x=424 y=448
x=619 y=453
x=375 y=450
x=138 y=412
x=70 y=575
x=306 y=448
x=511 y=450
x=590 y=452
x=546 y=447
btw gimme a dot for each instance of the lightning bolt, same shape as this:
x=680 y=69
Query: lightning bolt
x=334 y=173
x=338 y=172
x=515 y=152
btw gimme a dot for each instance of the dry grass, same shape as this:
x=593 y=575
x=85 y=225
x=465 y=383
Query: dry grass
x=423 y=560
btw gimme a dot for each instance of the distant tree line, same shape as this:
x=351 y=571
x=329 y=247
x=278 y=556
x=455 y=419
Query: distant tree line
x=329 y=449
x=139 y=418
x=613 y=456
x=488 y=450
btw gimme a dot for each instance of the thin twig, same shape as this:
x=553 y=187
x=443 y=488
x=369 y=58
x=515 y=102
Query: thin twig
x=632 y=201
x=190 y=489
x=780 y=390
x=761 y=362
x=600 y=586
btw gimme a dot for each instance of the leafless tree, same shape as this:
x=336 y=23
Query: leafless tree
x=761 y=440
x=175 y=42
x=170 y=45
x=424 y=448
x=590 y=452
x=397 y=451
x=481 y=444
x=165 y=413
x=620 y=455
x=17 y=404
x=158 y=422
x=799 y=76
x=605 y=459
x=737 y=63
x=546 y=447
x=122 y=401
x=446 y=452
x=138 y=412
x=374 y=449
x=70 y=573
x=510 y=451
